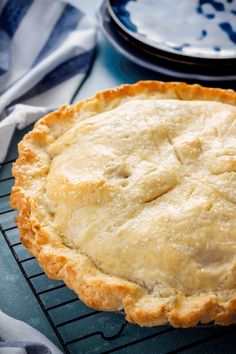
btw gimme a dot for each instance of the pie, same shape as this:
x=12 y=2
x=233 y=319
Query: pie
x=130 y=198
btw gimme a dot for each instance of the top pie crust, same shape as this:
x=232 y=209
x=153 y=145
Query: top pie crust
x=129 y=197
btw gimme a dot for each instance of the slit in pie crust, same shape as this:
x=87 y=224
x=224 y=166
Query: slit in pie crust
x=130 y=198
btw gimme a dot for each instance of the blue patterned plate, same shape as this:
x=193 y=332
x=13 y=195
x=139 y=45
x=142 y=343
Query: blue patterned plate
x=201 y=29
x=170 y=70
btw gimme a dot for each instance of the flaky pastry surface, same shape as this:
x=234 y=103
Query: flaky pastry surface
x=130 y=198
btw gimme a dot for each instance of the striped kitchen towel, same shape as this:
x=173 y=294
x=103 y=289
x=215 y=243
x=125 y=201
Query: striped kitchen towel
x=46 y=50
x=17 y=337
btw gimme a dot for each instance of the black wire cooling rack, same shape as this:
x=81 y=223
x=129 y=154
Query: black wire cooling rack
x=80 y=329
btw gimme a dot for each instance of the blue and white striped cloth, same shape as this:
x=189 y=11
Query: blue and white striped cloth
x=46 y=50
x=16 y=337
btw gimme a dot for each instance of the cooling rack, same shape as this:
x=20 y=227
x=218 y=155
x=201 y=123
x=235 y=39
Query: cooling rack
x=80 y=329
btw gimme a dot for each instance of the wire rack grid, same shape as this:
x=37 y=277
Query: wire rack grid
x=80 y=329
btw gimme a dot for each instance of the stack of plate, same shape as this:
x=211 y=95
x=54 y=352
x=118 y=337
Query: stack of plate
x=187 y=39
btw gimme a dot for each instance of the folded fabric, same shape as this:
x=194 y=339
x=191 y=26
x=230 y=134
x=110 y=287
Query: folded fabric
x=16 y=337
x=46 y=50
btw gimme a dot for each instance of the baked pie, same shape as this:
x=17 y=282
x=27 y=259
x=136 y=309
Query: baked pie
x=130 y=198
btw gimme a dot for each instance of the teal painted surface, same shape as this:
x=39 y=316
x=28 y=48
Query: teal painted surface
x=16 y=298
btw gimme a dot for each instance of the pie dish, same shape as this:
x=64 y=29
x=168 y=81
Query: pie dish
x=129 y=198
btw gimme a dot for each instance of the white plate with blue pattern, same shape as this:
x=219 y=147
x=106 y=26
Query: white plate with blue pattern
x=170 y=69
x=200 y=29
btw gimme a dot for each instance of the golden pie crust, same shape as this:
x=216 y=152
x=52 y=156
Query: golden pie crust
x=130 y=198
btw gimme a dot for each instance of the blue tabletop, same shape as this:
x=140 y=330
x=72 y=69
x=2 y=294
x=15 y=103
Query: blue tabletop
x=110 y=69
